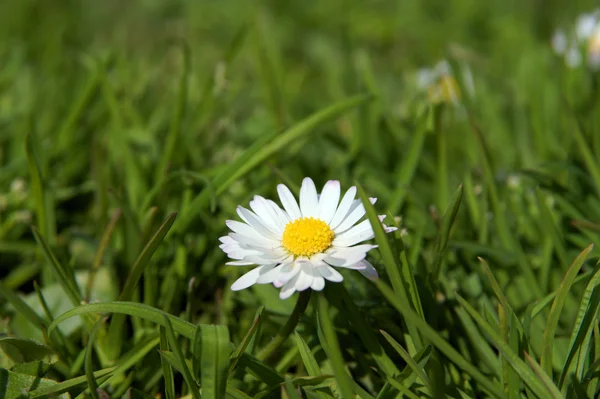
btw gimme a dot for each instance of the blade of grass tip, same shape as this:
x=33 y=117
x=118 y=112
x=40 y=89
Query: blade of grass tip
x=117 y=324
x=166 y=367
x=363 y=329
x=104 y=241
x=582 y=330
x=506 y=316
x=214 y=360
x=288 y=327
x=128 y=308
x=39 y=192
x=187 y=375
x=89 y=362
x=331 y=345
x=544 y=378
x=250 y=334
x=262 y=150
x=540 y=305
x=309 y=360
x=178 y=115
x=433 y=337
x=550 y=227
x=525 y=372
x=392 y=268
x=65 y=276
x=408 y=166
x=252 y=344
x=409 y=361
x=444 y=233
x=555 y=310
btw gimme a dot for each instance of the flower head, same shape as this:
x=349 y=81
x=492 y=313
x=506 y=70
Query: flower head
x=582 y=43
x=440 y=83
x=299 y=247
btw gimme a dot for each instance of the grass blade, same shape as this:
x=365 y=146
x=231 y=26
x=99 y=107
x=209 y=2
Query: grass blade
x=89 y=365
x=330 y=343
x=115 y=330
x=409 y=361
x=214 y=360
x=444 y=233
x=65 y=386
x=132 y=309
x=185 y=370
x=582 y=330
x=557 y=305
x=166 y=367
x=526 y=374
x=439 y=342
x=401 y=278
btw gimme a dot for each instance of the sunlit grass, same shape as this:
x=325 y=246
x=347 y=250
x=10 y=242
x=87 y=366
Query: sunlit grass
x=130 y=133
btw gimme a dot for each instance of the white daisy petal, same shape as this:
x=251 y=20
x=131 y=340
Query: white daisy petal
x=256 y=240
x=328 y=202
x=283 y=217
x=227 y=240
x=362 y=229
x=353 y=217
x=239 y=263
x=329 y=273
x=241 y=254
x=343 y=208
x=305 y=278
x=309 y=201
x=289 y=202
x=263 y=259
x=368 y=270
x=289 y=288
x=242 y=228
x=249 y=278
x=265 y=211
x=346 y=257
x=318 y=283
x=288 y=272
x=258 y=224
x=272 y=274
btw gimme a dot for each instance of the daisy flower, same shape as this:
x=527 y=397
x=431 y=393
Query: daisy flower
x=441 y=85
x=300 y=246
x=582 y=43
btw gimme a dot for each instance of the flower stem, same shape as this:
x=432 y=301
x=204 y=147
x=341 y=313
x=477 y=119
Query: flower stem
x=287 y=328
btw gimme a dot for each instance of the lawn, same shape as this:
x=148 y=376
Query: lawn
x=131 y=132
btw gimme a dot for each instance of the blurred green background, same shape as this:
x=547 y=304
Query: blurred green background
x=142 y=106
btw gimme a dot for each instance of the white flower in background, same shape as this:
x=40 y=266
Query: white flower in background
x=299 y=247
x=440 y=83
x=593 y=49
x=582 y=43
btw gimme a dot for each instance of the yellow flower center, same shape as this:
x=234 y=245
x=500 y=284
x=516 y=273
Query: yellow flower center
x=444 y=90
x=307 y=236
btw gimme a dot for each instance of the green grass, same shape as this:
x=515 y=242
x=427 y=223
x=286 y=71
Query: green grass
x=130 y=131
